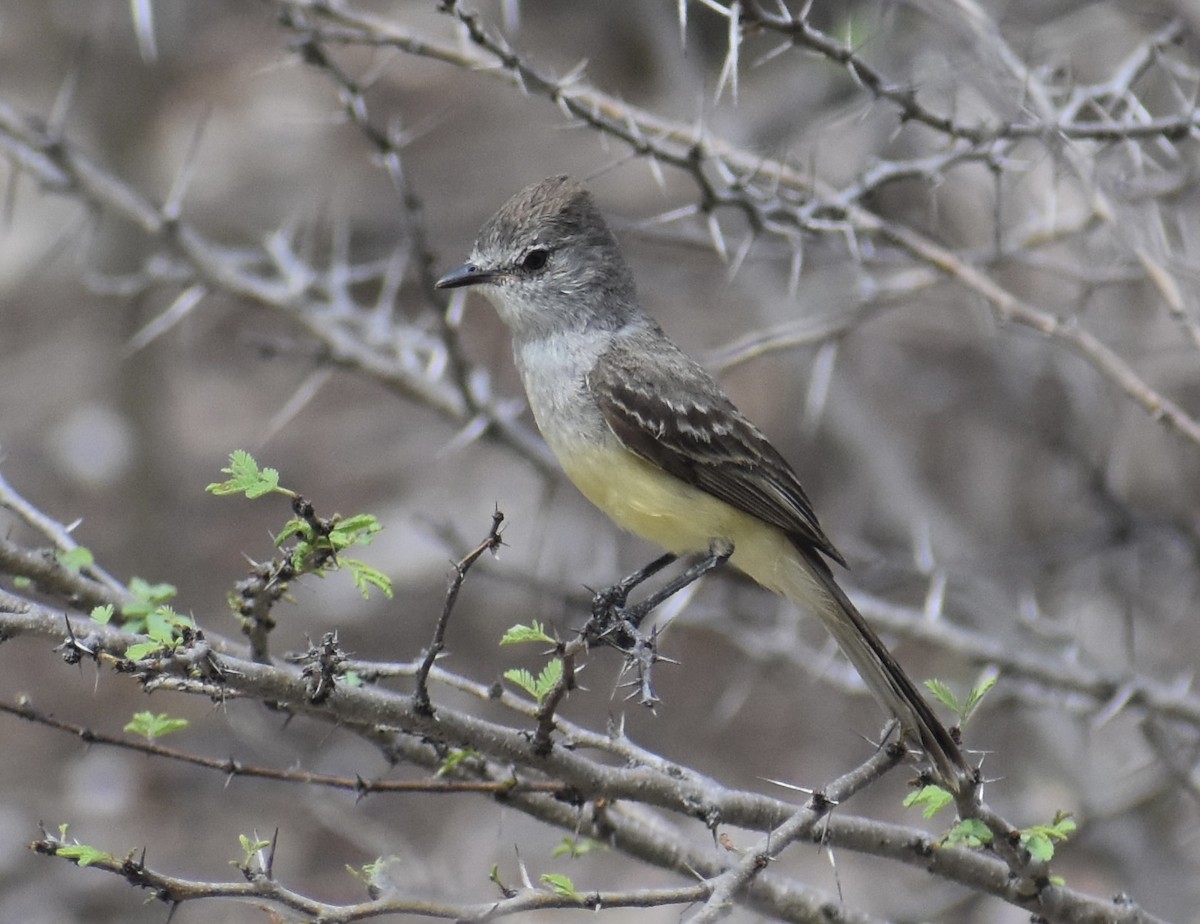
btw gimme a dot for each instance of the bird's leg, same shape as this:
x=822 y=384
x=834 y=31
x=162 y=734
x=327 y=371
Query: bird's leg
x=608 y=603
x=718 y=553
x=618 y=625
x=612 y=598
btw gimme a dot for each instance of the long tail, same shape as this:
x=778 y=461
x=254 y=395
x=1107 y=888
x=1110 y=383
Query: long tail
x=877 y=667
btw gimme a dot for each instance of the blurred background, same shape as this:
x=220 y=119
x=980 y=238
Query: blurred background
x=977 y=474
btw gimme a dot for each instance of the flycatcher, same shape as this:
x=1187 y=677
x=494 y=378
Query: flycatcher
x=650 y=438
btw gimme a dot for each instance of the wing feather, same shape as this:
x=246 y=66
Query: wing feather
x=674 y=415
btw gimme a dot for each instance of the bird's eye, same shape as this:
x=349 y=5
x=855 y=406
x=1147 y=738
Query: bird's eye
x=536 y=259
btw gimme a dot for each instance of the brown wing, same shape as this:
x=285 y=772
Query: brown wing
x=673 y=414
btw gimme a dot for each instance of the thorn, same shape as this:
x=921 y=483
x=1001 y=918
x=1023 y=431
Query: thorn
x=718 y=239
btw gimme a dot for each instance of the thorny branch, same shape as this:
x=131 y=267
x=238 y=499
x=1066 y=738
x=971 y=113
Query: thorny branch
x=491 y=542
x=233 y=768
x=368 y=711
x=262 y=886
x=322 y=302
x=774 y=197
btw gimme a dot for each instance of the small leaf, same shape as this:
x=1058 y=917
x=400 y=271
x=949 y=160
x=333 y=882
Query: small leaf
x=295 y=528
x=531 y=633
x=547 y=679
x=245 y=477
x=75 y=559
x=1040 y=846
x=356 y=530
x=976 y=697
x=523 y=679
x=267 y=483
x=369 y=872
x=575 y=847
x=165 y=626
x=300 y=555
x=82 y=854
x=147 y=597
x=456 y=758
x=932 y=800
x=969 y=832
x=539 y=686
x=366 y=577
x=943 y=695
x=103 y=614
x=252 y=845
x=142 y=650
x=160 y=625
x=151 y=726
x=561 y=885
x=1039 y=839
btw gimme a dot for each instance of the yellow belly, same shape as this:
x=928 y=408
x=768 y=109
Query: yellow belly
x=645 y=500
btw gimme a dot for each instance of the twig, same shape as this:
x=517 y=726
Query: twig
x=232 y=768
x=263 y=888
x=490 y=543
x=58 y=534
x=322 y=303
x=802 y=824
x=772 y=195
x=671 y=787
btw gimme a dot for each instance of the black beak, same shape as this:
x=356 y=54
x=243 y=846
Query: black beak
x=466 y=275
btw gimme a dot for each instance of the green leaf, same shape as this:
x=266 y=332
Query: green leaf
x=252 y=845
x=532 y=633
x=1040 y=846
x=369 y=871
x=82 y=854
x=146 y=597
x=103 y=614
x=151 y=726
x=970 y=832
x=523 y=679
x=359 y=529
x=245 y=477
x=21 y=582
x=366 y=577
x=976 y=697
x=456 y=758
x=294 y=529
x=141 y=650
x=1039 y=839
x=75 y=559
x=547 y=679
x=300 y=557
x=561 y=885
x=943 y=694
x=160 y=624
x=932 y=800
x=165 y=626
x=575 y=847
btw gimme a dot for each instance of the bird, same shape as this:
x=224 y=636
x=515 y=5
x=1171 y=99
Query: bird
x=649 y=436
